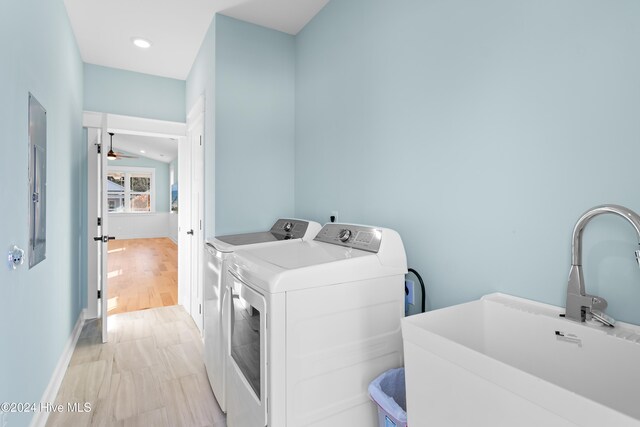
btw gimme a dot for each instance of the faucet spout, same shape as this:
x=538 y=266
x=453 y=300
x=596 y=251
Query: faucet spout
x=580 y=305
x=628 y=214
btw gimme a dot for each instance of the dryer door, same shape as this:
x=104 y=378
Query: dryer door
x=247 y=373
x=214 y=339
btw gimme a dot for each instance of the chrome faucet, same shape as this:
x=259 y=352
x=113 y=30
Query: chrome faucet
x=580 y=305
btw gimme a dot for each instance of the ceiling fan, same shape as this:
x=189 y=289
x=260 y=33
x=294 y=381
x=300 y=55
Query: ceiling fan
x=114 y=155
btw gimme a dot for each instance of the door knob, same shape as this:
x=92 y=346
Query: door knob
x=190 y=232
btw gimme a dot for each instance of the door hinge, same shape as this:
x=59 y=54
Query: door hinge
x=99 y=221
x=200 y=139
x=99 y=294
x=199 y=308
x=98 y=146
x=200 y=224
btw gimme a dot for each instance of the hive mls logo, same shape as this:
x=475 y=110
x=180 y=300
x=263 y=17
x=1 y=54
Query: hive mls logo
x=77 y=407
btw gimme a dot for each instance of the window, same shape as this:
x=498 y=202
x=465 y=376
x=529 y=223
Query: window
x=116 y=191
x=130 y=189
x=140 y=192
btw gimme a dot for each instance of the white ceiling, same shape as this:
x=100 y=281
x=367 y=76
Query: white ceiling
x=104 y=28
x=160 y=149
x=288 y=16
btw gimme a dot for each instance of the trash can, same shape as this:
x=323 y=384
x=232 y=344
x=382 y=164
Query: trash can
x=389 y=393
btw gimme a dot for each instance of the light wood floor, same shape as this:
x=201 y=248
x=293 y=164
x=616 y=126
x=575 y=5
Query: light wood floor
x=143 y=273
x=150 y=373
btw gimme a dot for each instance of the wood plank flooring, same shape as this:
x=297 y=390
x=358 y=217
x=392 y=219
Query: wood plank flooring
x=150 y=373
x=143 y=273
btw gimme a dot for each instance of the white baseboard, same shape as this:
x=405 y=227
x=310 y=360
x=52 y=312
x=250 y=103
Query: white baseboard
x=40 y=418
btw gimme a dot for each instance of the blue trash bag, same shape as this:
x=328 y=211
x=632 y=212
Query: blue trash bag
x=388 y=391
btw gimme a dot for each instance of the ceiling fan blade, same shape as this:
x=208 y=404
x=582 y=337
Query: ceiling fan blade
x=124 y=156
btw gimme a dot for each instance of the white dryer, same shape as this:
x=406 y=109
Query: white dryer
x=217 y=252
x=310 y=325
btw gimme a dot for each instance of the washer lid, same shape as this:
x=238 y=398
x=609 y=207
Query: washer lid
x=291 y=257
x=249 y=238
x=282 y=230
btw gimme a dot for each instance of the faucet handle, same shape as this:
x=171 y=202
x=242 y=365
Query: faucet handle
x=602 y=317
x=597 y=303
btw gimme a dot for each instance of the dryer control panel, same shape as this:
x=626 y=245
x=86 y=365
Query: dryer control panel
x=352 y=236
x=289 y=228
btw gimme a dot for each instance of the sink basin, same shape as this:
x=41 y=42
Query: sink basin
x=507 y=361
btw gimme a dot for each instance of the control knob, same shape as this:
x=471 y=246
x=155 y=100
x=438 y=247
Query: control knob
x=344 y=235
x=288 y=226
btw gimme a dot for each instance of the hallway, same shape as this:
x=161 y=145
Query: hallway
x=143 y=273
x=150 y=373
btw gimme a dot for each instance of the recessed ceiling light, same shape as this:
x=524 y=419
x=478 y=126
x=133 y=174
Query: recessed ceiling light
x=142 y=151
x=161 y=155
x=141 y=43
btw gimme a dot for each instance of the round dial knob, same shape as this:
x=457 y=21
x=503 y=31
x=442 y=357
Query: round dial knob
x=344 y=235
x=288 y=226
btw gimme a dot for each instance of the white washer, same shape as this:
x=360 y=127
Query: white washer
x=311 y=325
x=217 y=252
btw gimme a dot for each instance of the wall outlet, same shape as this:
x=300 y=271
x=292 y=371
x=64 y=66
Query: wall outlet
x=334 y=216
x=409 y=292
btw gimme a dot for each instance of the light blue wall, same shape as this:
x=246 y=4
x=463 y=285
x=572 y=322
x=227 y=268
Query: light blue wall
x=255 y=127
x=110 y=90
x=39 y=307
x=201 y=82
x=173 y=166
x=246 y=74
x=481 y=131
x=162 y=177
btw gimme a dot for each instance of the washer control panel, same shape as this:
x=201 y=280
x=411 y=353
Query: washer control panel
x=352 y=236
x=290 y=228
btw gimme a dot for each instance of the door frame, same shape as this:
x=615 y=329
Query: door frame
x=121 y=125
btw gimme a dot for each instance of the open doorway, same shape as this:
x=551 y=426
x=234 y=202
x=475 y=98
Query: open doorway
x=142 y=207
x=133 y=189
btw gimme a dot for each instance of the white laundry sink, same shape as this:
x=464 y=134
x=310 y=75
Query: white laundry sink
x=508 y=361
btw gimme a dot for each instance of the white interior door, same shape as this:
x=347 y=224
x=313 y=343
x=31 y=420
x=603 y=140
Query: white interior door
x=93 y=181
x=190 y=215
x=103 y=237
x=196 y=131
